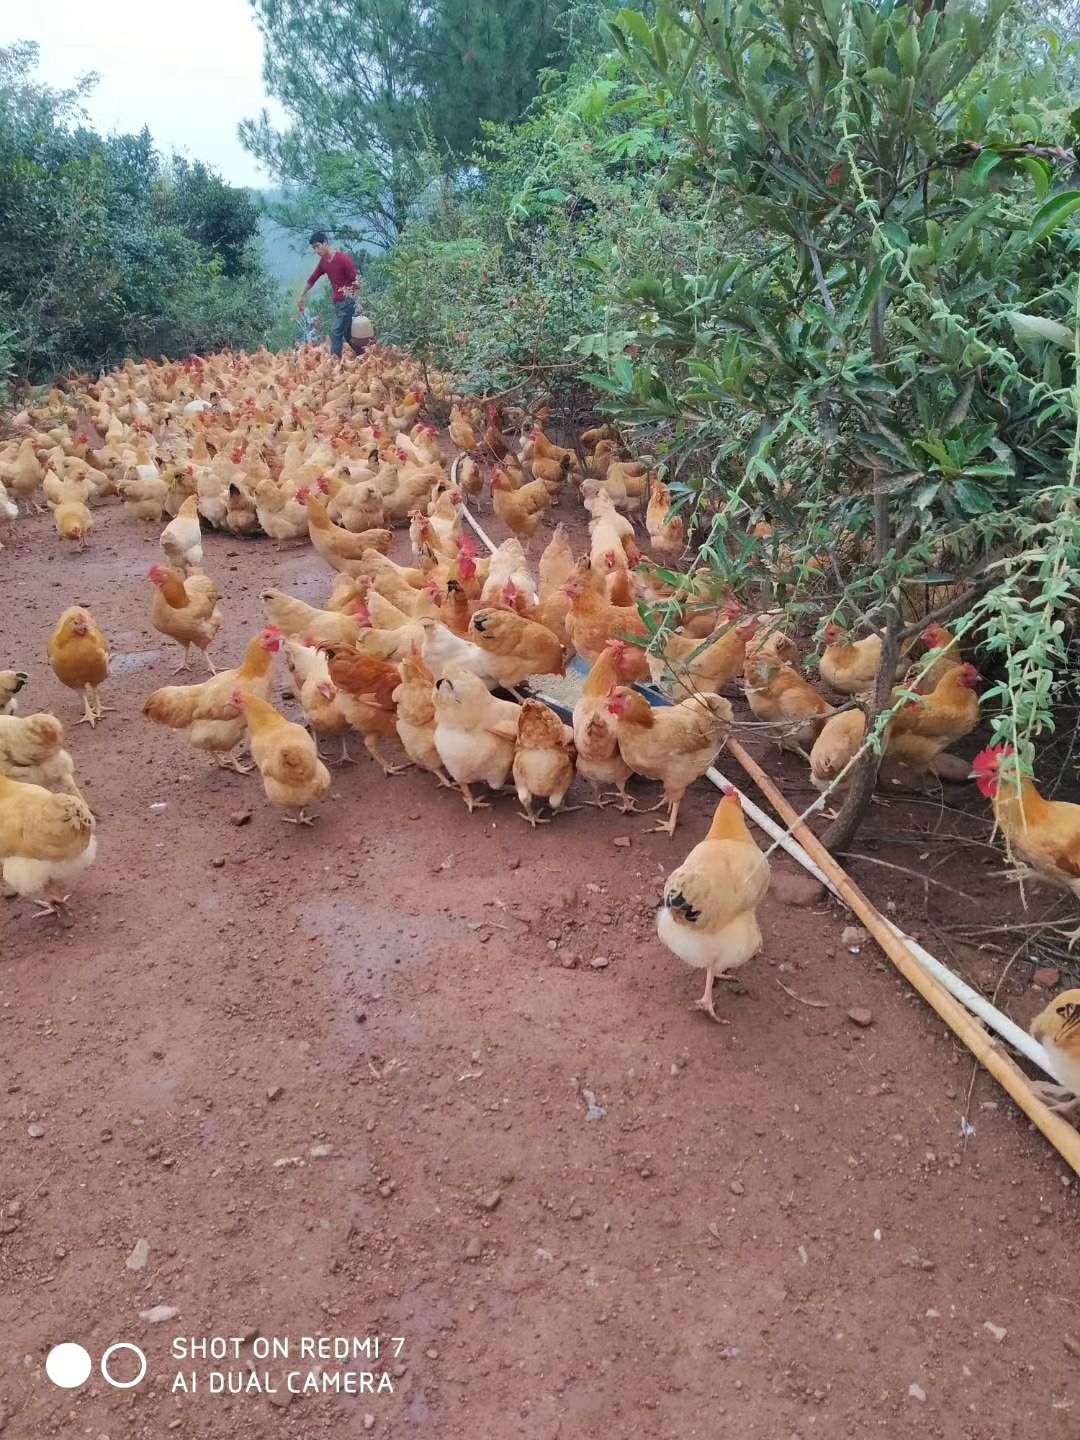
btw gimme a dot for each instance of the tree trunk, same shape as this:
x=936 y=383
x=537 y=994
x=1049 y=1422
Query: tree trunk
x=864 y=776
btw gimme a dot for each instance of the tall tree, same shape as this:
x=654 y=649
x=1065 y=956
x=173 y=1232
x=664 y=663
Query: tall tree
x=380 y=93
x=345 y=72
x=482 y=63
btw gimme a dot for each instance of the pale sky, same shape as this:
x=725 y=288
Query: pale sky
x=190 y=70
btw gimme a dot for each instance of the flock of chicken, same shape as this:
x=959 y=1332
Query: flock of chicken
x=298 y=447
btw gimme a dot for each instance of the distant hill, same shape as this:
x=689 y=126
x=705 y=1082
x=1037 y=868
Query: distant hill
x=288 y=259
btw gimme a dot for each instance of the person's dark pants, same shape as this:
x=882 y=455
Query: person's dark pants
x=344 y=310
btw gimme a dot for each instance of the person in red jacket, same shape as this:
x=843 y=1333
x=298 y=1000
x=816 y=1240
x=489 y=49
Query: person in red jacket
x=340 y=270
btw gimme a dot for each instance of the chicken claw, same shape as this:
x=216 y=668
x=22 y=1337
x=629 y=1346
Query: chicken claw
x=89 y=715
x=54 y=905
x=300 y=818
x=344 y=758
x=706 y=1001
x=667 y=827
x=231 y=761
x=471 y=801
x=371 y=745
x=529 y=814
x=1057 y=1098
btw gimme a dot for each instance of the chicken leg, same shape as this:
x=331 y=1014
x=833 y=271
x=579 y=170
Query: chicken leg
x=52 y=904
x=300 y=818
x=706 y=1001
x=100 y=710
x=89 y=715
x=231 y=761
x=1057 y=1098
x=470 y=799
x=209 y=663
x=667 y=826
x=529 y=814
x=371 y=745
x=629 y=805
x=185 y=663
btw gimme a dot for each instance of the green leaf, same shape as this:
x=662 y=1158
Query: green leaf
x=1037 y=327
x=872 y=288
x=897 y=234
x=1040 y=172
x=976 y=499
x=1054 y=213
x=634 y=22
x=907 y=50
x=987 y=161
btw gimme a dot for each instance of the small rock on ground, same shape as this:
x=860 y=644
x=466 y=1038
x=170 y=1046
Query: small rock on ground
x=859 y=1015
x=158 y=1314
x=1047 y=978
x=139 y=1255
x=854 y=935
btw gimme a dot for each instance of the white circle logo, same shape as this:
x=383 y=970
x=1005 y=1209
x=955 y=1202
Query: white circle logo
x=122 y=1384
x=68 y=1366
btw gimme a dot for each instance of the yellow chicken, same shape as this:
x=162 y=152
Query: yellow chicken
x=1058 y=1028
x=79 y=656
x=11 y=682
x=849 y=665
x=186 y=611
x=543 y=759
x=474 y=733
x=709 y=914
x=674 y=744
x=73 y=522
x=293 y=776
x=317 y=694
x=31 y=750
x=45 y=839
x=181 y=539
x=415 y=718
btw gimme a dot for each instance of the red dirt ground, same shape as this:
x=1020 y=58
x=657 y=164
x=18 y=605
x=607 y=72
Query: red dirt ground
x=774 y=1229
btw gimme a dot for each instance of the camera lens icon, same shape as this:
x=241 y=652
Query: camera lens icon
x=69 y=1365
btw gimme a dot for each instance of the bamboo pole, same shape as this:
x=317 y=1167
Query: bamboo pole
x=1064 y=1138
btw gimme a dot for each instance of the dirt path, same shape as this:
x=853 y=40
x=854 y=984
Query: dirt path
x=588 y=1211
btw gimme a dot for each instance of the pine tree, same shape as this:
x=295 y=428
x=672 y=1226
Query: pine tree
x=483 y=63
x=375 y=87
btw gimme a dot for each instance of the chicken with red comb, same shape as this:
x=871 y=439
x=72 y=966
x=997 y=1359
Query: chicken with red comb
x=1043 y=835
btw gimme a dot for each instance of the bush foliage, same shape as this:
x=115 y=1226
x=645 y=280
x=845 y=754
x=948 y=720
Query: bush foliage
x=108 y=250
x=824 y=256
